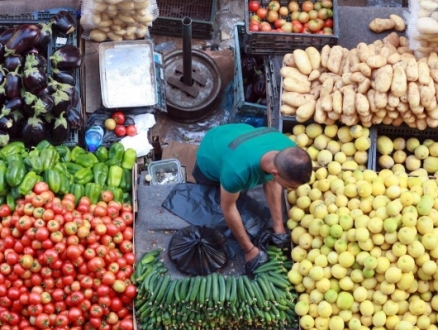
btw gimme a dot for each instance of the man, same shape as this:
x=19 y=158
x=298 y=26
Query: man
x=239 y=157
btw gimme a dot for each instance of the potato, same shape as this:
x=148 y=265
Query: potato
x=387 y=50
x=314 y=57
x=392 y=39
x=333 y=116
x=406 y=49
x=357 y=77
x=381 y=113
x=364 y=69
x=432 y=61
x=344 y=60
x=306 y=110
x=120 y=32
x=288 y=59
x=325 y=53
x=426 y=96
x=380 y=99
x=294 y=73
x=335 y=59
x=114 y=37
x=399 y=84
x=376 y=61
x=292 y=85
x=413 y=95
x=353 y=57
x=316 y=91
x=362 y=51
x=141 y=31
x=295 y=99
x=128 y=5
x=362 y=105
x=141 y=5
x=99 y=7
x=346 y=78
x=113 y=2
x=350 y=120
x=326 y=102
x=383 y=78
x=327 y=87
x=287 y=110
x=106 y=23
x=364 y=86
x=423 y=73
x=97 y=35
x=348 y=100
x=393 y=100
x=127 y=19
x=399 y=22
x=370 y=96
x=302 y=61
x=412 y=69
x=320 y=116
x=314 y=75
x=378 y=25
x=394 y=58
x=431 y=122
x=337 y=102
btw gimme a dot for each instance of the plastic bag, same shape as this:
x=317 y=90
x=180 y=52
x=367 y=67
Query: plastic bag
x=117 y=20
x=198 y=250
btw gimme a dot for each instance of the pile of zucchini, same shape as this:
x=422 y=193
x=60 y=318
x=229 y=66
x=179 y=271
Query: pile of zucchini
x=214 y=301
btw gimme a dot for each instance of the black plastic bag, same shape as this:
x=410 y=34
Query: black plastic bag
x=198 y=250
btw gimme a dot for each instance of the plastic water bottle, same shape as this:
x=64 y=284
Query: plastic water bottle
x=93 y=138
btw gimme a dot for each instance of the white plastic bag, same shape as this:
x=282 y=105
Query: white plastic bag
x=140 y=142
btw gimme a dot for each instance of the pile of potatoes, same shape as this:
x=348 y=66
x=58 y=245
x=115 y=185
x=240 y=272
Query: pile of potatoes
x=376 y=83
x=116 y=20
x=424 y=21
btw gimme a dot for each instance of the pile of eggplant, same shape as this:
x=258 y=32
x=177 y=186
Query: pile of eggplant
x=254 y=79
x=36 y=105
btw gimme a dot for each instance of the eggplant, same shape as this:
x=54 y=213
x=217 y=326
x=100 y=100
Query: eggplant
x=11 y=105
x=6 y=35
x=52 y=85
x=74 y=98
x=33 y=50
x=23 y=39
x=67 y=57
x=62 y=103
x=29 y=100
x=12 y=62
x=64 y=77
x=2 y=74
x=249 y=65
x=34 y=131
x=34 y=79
x=6 y=123
x=41 y=107
x=2 y=52
x=60 y=130
x=249 y=94
x=259 y=83
x=15 y=130
x=69 y=89
x=64 y=22
x=35 y=61
x=2 y=93
x=13 y=84
x=4 y=138
x=74 y=119
x=45 y=35
x=47 y=100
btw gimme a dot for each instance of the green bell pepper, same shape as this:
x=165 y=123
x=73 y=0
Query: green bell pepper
x=100 y=173
x=129 y=158
x=84 y=175
x=53 y=179
x=75 y=152
x=15 y=173
x=86 y=160
x=49 y=157
x=115 y=174
x=16 y=193
x=2 y=200
x=126 y=183
x=11 y=148
x=102 y=154
x=44 y=144
x=116 y=151
x=112 y=162
x=11 y=201
x=28 y=182
x=78 y=190
x=72 y=168
x=4 y=188
x=126 y=198
x=62 y=168
x=34 y=162
x=117 y=193
x=13 y=158
x=93 y=192
x=64 y=153
x=64 y=187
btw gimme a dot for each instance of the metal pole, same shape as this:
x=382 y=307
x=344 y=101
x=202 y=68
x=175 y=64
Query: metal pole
x=187 y=50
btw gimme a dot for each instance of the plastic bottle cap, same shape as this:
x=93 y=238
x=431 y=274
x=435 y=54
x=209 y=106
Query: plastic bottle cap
x=92 y=148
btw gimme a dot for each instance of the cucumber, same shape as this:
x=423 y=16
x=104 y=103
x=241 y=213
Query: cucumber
x=233 y=293
x=195 y=289
x=222 y=288
x=241 y=296
x=258 y=294
x=184 y=289
x=271 y=265
x=171 y=292
x=265 y=287
x=202 y=288
x=208 y=288
x=215 y=288
x=163 y=287
x=227 y=289
x=178 y=291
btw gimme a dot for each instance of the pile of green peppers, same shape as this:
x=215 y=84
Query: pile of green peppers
x=65 y=170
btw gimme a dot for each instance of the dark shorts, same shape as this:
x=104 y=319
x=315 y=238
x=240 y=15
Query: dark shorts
x=201 y=178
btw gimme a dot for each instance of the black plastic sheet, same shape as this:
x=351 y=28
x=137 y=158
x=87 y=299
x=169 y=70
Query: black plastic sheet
x=198 y=250
x=200 y=205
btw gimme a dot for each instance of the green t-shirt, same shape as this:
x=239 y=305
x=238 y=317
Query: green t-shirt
x=230 y=154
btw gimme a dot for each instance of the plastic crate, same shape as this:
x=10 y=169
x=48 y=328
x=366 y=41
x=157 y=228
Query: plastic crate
x=58 y=40
x=247 y=109
x=169 y=23
x=286 y=126
x=166 y=166
x=405 y=132
x=281 y=43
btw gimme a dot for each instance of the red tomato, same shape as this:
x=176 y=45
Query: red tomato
x=328 y=23
x=131 y=130
x=107 y=196
x=5 y=210
x=118 y=117
x=120 y=130
x=262 y=12
x=307 y=6
x=253 y=6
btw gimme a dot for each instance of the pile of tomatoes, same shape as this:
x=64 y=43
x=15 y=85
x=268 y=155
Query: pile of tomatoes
x=66 y=264
x=311 y=17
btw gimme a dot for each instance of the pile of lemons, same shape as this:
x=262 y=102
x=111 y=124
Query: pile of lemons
x=365 y=250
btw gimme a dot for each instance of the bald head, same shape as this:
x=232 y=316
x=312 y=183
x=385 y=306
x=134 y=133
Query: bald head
x=294 y=164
